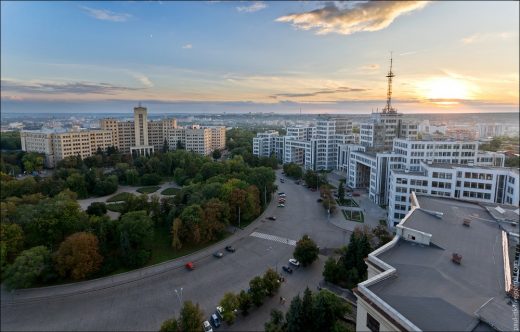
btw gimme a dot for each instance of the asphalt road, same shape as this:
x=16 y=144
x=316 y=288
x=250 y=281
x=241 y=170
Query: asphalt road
x=144 y=304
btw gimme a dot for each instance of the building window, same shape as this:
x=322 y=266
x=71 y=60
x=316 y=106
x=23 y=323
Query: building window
x=372 y=323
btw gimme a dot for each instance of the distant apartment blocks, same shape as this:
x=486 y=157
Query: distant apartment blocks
x=138 y=137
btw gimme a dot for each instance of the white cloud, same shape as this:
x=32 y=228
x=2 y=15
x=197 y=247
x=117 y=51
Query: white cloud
x=106 y=15
x=254 y=7
x=187 y=46
x=372 y=66
x=143 y=80
x=356 y=17
x=481 y=37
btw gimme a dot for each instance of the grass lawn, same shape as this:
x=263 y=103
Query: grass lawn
x=356 y=216
x=162 y=249
x=148 y=190
x=116 y=207
x=348 y=202
x=170 y=191
x=119 y=197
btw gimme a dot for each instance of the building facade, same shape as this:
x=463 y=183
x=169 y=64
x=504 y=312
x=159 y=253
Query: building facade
x=483 y=184
x=58 y=144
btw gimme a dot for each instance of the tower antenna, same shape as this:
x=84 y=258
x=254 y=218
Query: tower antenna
x=388 y=108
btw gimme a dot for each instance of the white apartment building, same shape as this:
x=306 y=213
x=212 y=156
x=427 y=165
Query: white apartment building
x=58 y=144
x=313 y=148
x=201 y=140
x=491 y=130
x=380 y=130
x=425 y=127
x=368 y=169
x=264 y=144
x=471 y=183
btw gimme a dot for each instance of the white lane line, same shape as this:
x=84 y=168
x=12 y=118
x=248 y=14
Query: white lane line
x=274 y=238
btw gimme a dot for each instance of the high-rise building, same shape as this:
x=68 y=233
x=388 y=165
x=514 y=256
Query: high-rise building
x=57 y=144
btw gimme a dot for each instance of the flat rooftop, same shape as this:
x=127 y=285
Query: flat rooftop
x=436 y=294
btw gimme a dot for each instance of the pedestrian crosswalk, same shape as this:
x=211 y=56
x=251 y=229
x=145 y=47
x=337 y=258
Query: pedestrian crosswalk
x=274 y=238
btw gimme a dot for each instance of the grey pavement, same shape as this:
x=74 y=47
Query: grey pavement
x=84 y=203
x=143 y=299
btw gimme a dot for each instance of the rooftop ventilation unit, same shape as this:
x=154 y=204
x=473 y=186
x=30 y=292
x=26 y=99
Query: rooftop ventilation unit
x=456 y=258
x=500 y=210
x=466 y=222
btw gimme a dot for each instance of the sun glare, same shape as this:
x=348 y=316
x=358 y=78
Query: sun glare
x=444 y=90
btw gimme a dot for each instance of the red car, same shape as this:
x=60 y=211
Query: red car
x=190 y=266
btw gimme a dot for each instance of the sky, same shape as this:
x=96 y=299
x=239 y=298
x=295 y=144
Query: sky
x=240 y=56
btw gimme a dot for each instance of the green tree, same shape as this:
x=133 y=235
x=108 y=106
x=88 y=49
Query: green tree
x=180 y=145
x=327 y=309
x=192 y=219
x=341 y=192
x=132 y=177
x=12 y=237
x=331 y=271
x=170 y=325
x=76 y=182
x=215 y=220
x=229 y=304
x=294 y=316
x=257 y=290
x=271 y=281
x=27 y=268
x=176 y=230
x=306 y=250
x=32 y=161
x=78 y=256
x=244 y=302
x=191 y=317
x=165 y=146
x=216 y=154
x=97 y=209
x=135 y=233
x=293 y=170
x=276 y=323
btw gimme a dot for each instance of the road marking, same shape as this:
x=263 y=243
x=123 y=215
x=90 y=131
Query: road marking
x=274 y=238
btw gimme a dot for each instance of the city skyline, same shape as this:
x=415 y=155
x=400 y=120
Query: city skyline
x=259 y=56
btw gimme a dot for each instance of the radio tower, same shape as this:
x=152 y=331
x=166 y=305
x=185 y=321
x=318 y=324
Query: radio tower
x=388 y=108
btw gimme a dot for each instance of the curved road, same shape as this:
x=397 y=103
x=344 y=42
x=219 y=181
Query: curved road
x=143 y=299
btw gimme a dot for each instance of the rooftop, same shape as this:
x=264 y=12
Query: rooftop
x=429 y=289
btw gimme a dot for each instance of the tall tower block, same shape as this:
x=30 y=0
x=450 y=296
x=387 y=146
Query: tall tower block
x=141 y=125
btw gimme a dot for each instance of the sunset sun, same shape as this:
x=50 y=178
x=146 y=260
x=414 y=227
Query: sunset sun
x=444 y=90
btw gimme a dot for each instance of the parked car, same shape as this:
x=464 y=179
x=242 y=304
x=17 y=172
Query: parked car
x=215 y=321
x=281 y=193
x=281 y=205
x=313 y=189
x=230 y=249
x=294 y=262
x=287 y=269
x=218 y=254
x=219 y=312
x=319 y=200
x=356 y=194
x=207 y=326
x=282 y=180
x=281 y=201
x=271 y=218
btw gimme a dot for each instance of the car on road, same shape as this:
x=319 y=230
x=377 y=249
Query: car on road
x=271 y=218
x=230 y=249
x=313 y=189
x=190 y=266
x=218 y=254
x=282 y=180
x=281 y=205
x=207 y=326
x=294 y=262
x=287 y=269
x=319 y=200
x=215 y=321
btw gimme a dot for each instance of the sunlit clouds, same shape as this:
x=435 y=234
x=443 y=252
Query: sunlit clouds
x=362 y=16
